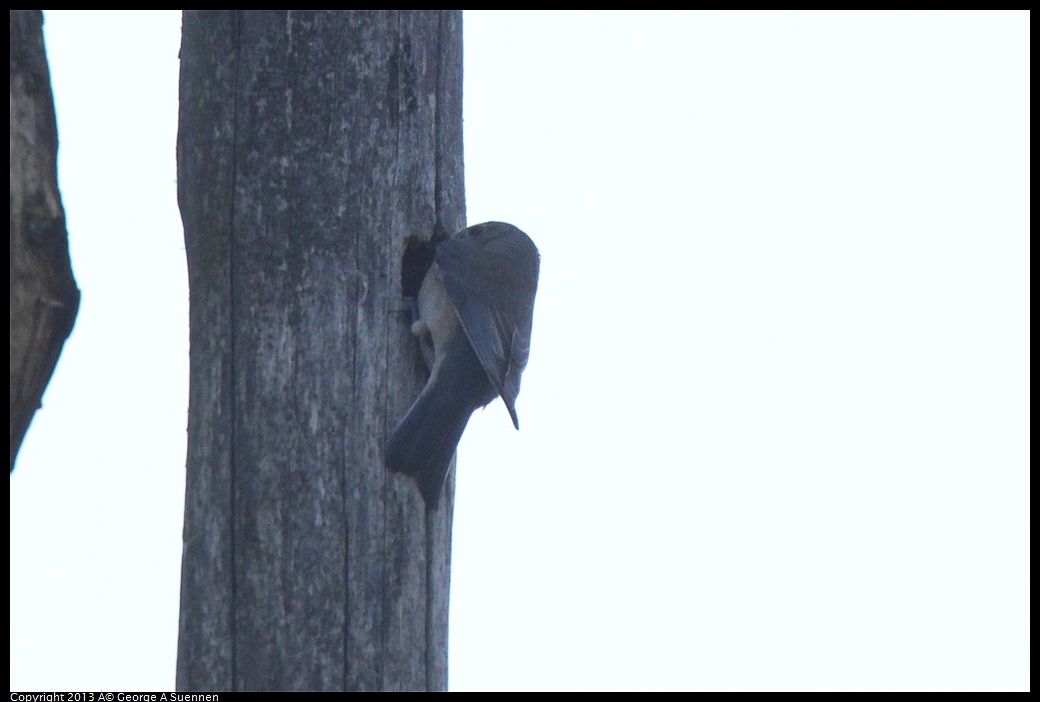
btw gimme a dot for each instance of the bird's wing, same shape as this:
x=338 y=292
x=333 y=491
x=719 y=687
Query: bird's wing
x=492 y=289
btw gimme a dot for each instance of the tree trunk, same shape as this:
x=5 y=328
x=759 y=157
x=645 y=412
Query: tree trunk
x=310 y=146
x=44 y=297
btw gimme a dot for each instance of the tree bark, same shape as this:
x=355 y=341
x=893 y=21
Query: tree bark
x=311 y=146
x=44 y=297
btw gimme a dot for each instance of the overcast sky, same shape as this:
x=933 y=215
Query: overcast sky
x=776 y=418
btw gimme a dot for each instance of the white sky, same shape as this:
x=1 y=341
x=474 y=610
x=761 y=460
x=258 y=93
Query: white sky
x=776 y=420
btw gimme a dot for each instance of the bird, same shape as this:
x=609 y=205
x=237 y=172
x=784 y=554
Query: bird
x=473 y=317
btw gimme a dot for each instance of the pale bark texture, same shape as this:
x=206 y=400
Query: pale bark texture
x=311 y=146
x=44 y=297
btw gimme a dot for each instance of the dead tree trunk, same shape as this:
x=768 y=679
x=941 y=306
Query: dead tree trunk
x=44 y=297
x=310 y=146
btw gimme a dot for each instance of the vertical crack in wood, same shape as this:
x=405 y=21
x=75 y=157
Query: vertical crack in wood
x=232 y=467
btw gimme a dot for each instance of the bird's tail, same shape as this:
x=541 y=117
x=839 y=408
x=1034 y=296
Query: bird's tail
x=424 y=442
